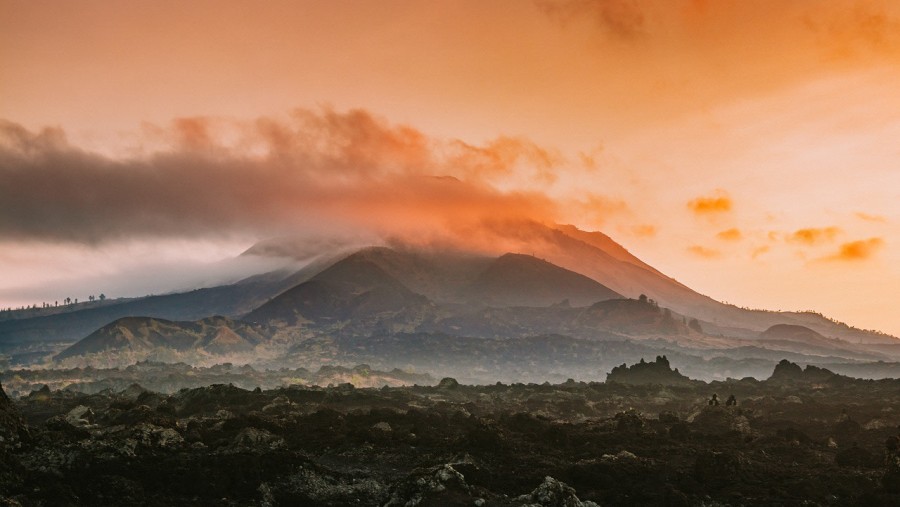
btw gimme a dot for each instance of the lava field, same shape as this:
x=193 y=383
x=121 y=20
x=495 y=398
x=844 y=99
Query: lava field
x=799 y=438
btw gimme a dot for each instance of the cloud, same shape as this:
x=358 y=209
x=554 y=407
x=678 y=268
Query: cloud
x=644 y=230
x=719 y=202
x=857 y=250
x=870 y=218
x=732 y=234
x=814 y=236
x=619 y=19
x=690 y=54
x=314 y=169
x=597 y=210
x=504 y=156
x=704 y=252
x=759 y=251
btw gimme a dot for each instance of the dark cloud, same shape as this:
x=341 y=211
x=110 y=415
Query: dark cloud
x=316 y=169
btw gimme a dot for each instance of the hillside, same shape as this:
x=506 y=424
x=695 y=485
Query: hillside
x=145 y=335
x=406 y=289
x=523 y=280
x=354 y=291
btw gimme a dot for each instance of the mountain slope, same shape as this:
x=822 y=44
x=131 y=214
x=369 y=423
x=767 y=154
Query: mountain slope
x=214 y=335
x=354 y=294
x=231 y=300
x=523 y=280
x=599 y=257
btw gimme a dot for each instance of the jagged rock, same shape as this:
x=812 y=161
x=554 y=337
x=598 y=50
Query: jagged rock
x=442 y=485
x=382 y=426
x=644 y=373
x=788 y=372
x=553 y=493
x=151 y=435
x=133 y=392
x=629 y=420
x=315 y=486
x=13 y=429
x=80 y=416
x=278 y=403
x=40 y=394
x=619 y=456
x=255 y=439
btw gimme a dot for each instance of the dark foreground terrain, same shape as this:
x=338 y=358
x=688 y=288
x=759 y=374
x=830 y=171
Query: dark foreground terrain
x=800 y=438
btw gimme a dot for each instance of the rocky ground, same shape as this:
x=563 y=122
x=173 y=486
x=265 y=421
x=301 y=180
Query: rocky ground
x=799 y=438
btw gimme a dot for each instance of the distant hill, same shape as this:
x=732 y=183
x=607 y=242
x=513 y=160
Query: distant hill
x=576 y=283
x=794 y=338
x=790 y=332
x=632 y=317
x=137 y=335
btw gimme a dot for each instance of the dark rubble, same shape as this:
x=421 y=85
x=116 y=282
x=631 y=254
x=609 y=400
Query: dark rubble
x=787 y=442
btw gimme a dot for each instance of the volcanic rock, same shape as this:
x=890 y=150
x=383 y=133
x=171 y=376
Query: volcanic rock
x=644 y=373
x=553 y=493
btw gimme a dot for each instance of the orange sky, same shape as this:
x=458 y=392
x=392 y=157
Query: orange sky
x=749 y=149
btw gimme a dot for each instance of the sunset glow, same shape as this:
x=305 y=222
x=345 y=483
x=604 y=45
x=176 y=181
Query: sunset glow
x=747 y=149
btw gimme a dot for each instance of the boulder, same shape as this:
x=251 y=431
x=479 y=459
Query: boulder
x=553 y=493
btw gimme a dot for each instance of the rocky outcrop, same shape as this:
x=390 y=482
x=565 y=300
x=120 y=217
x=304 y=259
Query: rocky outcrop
x=788 y=372
x=442 y=485
x=13 y=430
x=644 y=373
x=553 y=493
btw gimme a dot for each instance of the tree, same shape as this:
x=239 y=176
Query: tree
x=102 y=296
x=642 y=298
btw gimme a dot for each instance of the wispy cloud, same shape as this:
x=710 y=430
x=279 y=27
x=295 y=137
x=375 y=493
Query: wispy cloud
x=870 y=217
x=719 y=202
x=733 y=234
x=644 y=230
x=814 y=236
x=857 y=250
x=704 y=252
